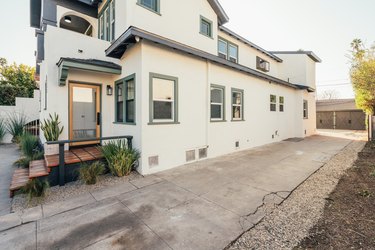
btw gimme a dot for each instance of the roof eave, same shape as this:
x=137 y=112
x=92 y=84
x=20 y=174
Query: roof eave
x=219 y=10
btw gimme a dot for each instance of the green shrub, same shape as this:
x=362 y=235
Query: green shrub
x=29 y=144
x=120 y=159
x=25 y=161
x=35 y=188
x=89 y=173
x=8 y=94
x=15 y=125
x=51 y=128
x=3 y=129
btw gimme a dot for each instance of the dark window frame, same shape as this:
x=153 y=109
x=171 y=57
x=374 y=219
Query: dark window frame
x=150 y=8
x=124 y=83
x=305 y=109
x=228 y=44
x=107 y=24
x=273 y=104
x=152 y=120
x=202 y=20
x=281 y=103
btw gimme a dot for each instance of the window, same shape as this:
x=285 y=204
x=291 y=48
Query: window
x=237 y=105
x=125 y=100
x=107 y=22
x=163 y=103
x=150 y=4
x=228 y=50
x=223 y=49
x=273 y=102
x=305 y=109
x=233 y=53
x=217 y=103
x=281 y=103
x=263 y=65
x=206 y=27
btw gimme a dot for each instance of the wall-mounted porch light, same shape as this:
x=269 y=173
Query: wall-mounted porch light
x=109 y=90
x=68 y=19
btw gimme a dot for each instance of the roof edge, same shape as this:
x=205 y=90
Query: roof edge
x=310 y=54
x=253 y=45
x=219 y=10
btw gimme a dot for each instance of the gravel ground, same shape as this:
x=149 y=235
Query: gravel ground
x=285 y=225
x=20 y=202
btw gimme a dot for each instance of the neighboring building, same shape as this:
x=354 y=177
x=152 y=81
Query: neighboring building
x=186 y=87
x=339 y=114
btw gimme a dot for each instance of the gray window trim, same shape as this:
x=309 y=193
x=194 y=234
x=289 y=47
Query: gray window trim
x=202 y=18
x=124 y=81
x=151 y=103
x=307 y=109
x=281 y=104
x=223 y=89
x=228 y=46
x=234 y=90
x=275 y=103
x=101 y=24
x=157 y=11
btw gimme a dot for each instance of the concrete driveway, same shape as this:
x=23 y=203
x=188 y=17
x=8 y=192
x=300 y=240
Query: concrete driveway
x=204 y=205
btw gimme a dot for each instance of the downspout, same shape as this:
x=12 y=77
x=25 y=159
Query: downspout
x=207 y=101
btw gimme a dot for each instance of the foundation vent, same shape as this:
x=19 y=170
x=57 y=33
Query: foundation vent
x=190 y=155
x=202 y=153
x=153 y=161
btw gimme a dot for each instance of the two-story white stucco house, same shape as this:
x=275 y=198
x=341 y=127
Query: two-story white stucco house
x=170 y=74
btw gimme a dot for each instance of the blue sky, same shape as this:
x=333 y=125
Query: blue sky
x=325 y=26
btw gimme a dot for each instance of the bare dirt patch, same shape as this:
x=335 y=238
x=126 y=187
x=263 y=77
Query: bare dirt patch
x=348 y=221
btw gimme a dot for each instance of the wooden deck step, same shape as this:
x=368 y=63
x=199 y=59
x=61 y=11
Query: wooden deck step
x=37 y=169
x=74 y=156
x=19 y=180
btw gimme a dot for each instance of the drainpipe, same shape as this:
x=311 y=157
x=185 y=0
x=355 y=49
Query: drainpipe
x=334 y=119
x=207 y=100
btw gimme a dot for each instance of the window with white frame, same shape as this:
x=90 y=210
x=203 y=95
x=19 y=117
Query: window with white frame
x=281 y=103
x=217 y=103
x=273 y=102
x=305 y=109
x=228 y=50
x=237 y=105
x=163 y=104
x=107 y=22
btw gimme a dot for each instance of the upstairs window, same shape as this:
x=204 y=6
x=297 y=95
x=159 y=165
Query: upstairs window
x=152 y=5
x=217 y=103
x=281 y=103
x=263 y=65
x=305 y=109
x=205 y=27
x=228 y=50
x=273 y=103
x=107 y=22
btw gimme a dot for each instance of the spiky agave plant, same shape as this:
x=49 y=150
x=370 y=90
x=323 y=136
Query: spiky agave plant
x=89 y=172
x=3 y=129
x=51 y=128
x=35 y=188
x=15 y=125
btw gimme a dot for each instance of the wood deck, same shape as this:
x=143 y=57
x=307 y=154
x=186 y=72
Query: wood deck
x=42 y=168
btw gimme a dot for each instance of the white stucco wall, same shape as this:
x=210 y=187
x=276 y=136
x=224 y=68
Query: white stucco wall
x=27 y=107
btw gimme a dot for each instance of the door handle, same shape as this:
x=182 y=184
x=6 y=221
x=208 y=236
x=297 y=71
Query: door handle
x=98 y=116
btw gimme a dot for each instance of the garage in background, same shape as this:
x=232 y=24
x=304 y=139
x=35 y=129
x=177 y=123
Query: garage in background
x=339 y=114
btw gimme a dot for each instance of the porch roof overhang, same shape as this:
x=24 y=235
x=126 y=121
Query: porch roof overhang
x=133 y=34
x=94 y=65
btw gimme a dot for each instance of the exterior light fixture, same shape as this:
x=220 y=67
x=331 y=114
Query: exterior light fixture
x=109 y=90
x=68 y=19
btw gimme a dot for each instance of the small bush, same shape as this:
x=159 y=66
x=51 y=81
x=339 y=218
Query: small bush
x=365 y=193
x=51 y=128
x=3 y=129
x=29 y=144
x=25 y=161
x=121 y=160
x=15 y=125
x=35 y=188
x=89 y=173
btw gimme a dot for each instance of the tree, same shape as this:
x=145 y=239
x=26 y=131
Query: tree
x=362 y=74
x=15 y=81
x=330 y=94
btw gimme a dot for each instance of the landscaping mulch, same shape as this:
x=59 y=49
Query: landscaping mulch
x=348 y=220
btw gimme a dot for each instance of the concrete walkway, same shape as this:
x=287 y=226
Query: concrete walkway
x=9 y=153
x=204 y=205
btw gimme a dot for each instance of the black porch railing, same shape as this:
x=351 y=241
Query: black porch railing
x=62 y=143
